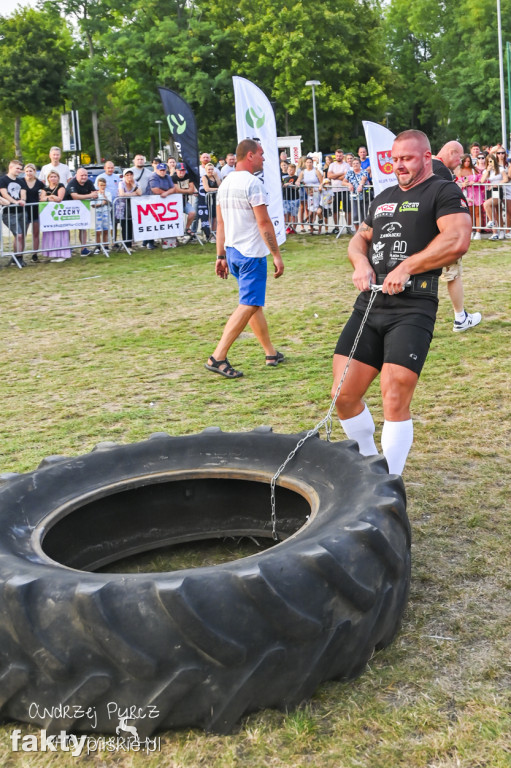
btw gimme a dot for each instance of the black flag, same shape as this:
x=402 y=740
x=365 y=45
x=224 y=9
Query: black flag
x=182 y=126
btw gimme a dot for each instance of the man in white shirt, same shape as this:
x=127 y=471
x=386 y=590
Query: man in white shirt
x=230 y=165
x=63 y=171
x=205 y=158
x=245 y=236
x=141 y=173
x=111 y=179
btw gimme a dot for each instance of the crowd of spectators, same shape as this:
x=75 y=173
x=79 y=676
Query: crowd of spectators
x=332 y=193
x=327 y=194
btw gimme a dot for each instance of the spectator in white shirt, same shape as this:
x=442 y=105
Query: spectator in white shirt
x=63 y=171
x=230 y=165
x=336 y=173
x=112 y=179
x=141 y=172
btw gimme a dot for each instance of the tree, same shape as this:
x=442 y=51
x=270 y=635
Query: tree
x=91 y=75
x=34 y=58
x=472 y=88
x=444 y=54
x=174 y=44
x=281 y=46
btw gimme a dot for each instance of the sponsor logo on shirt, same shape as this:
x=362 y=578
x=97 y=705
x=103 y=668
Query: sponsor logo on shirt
x=407 y=207
x=385 y=209
x=377 y=254
x=463 y=203
x=392 y=229
x=399 y=246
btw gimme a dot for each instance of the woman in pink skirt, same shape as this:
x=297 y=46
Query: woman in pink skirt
x=55 y=245
x=469 y=180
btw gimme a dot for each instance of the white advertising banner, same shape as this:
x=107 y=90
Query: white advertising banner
x=255 y=120
x=70 y=214
x=379 y=146
x=157 y=217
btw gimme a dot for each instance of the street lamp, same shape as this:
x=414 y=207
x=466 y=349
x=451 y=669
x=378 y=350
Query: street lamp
x=501 y=77
x=313 y=83
x=159 y=123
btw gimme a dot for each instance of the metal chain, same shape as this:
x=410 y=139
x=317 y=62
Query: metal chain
x=326 y=421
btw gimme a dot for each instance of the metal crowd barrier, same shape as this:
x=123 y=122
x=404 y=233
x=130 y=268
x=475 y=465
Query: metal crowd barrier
x=307 y=209
x=490 y=209
x=20 y=236
x=313 y=209
x=318 y=208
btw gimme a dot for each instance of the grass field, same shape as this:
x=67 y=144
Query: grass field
x=113 y=349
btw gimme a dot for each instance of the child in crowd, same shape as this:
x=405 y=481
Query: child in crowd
x=291 y=201
x=325 y=209
x=102 y=207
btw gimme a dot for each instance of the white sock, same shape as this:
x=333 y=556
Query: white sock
x=396 y=441
x=361 y=429
x=460 y=316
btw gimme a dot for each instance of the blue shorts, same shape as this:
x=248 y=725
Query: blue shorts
x=292 y=207
x=251 y=275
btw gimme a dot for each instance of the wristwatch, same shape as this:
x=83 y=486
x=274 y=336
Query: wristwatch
x=218 y=258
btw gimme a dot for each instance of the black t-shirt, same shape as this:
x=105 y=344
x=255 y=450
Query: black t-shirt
x=291 y=192
x=439 y=169
x=32 y=211
x=50 y=191
x=32 y=194
x=183 y=182
x=13 y=187
x=79 y=189
x=404 y=222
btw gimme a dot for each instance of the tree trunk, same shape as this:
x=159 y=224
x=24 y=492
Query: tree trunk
x=95 y=133
x=17 y=147
x=94 y=110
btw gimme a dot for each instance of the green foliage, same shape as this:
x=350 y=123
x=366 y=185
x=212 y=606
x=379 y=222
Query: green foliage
x=38 y=136
x=34 y=55
x=113 y=349
x=444 y=54
x=431 y=64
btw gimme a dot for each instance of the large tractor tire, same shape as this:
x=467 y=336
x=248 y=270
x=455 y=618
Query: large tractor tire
x=202 y=646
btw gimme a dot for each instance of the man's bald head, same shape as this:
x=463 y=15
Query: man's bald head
x=450 y=154
x=411 y=158
x=417 y=136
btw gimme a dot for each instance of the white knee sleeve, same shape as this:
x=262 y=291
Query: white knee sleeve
x=361 y=429
x=396 y=441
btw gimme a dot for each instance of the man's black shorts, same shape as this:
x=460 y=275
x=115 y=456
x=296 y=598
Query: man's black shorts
x=402 y=339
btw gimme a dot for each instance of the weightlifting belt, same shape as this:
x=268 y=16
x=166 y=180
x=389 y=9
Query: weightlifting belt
x=420 y=285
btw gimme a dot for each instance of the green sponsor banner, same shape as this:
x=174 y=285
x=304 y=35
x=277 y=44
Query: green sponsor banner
x=70 y=214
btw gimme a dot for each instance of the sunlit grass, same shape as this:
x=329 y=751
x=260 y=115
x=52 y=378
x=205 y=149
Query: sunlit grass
x=101 y=349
